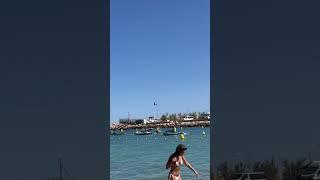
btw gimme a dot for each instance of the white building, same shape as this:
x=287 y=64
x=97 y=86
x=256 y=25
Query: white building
x=188 y=118
x=208 y=115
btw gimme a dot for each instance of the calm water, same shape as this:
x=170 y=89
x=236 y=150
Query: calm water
x=144 y=157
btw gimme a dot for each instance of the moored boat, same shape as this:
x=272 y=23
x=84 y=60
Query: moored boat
x=171 y=132
x=142 y=133
x=158 y=130
x=117 y=133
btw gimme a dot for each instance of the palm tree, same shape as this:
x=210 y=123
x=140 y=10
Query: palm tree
x=163 y=118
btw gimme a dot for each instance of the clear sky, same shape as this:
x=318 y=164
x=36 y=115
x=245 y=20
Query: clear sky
x=159 y=50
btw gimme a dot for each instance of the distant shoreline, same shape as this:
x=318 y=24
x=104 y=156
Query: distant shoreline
x=192 y=123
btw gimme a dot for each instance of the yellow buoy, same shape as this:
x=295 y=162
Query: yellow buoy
x=181 y=136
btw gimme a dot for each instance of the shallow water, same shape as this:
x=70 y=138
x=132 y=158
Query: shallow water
x=144 y=157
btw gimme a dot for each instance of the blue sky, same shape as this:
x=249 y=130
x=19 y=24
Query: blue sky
x=159 y=50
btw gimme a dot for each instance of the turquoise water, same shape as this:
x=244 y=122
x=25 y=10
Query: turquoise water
x=144 y=157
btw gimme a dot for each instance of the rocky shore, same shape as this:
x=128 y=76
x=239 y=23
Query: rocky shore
x=193 y=123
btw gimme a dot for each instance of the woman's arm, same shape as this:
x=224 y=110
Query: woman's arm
x=189 y=166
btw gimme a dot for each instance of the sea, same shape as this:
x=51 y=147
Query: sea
x=143 y=157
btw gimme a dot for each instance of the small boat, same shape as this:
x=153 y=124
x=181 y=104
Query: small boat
x=117 y=133
x=158 y=130
x=171 y=132
x=143 y=133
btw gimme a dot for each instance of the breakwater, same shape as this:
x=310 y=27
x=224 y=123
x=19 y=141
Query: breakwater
x=193 y=123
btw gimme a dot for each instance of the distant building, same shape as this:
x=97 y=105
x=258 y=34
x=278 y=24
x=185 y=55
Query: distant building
x=188 y=118
x=140 y=121
x=151 y=119
x=208 y=115
x=132 y=121
x=126 y=121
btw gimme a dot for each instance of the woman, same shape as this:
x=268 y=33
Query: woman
x=175 y=161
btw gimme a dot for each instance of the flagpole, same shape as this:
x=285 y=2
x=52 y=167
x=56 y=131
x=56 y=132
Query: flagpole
x=154 y=108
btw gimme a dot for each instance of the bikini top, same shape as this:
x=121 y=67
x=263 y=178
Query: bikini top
x=179 y=162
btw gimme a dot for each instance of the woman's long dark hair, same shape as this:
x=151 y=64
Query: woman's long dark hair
x=179 y=151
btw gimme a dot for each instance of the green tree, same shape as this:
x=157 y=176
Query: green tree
x=194 y=114
x=202 y=115
x=174 y=117
x=163 y=118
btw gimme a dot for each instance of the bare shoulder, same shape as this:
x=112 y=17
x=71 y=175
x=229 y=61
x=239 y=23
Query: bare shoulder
x=184 y=159
x=174 y=159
